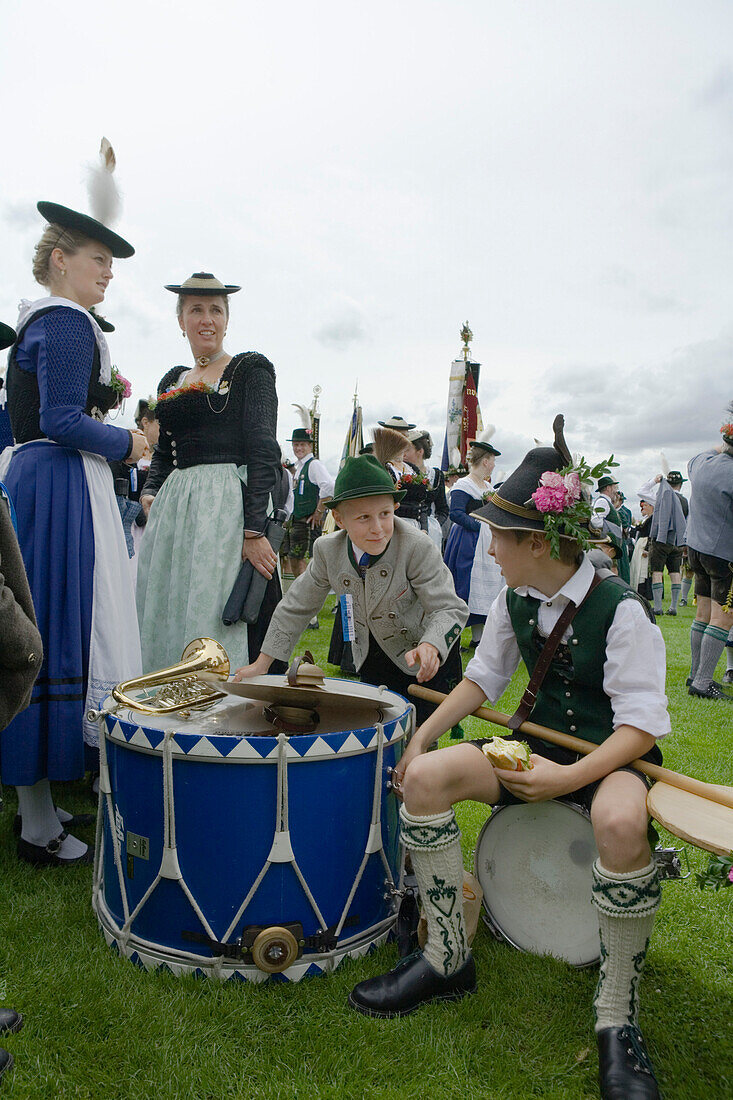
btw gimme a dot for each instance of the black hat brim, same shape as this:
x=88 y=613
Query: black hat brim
x=202 y=291
x=396 y=427
x=486 y=446
x=90 y=227
x=7 y=336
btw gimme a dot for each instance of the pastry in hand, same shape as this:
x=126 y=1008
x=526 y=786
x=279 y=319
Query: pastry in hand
x=512 y=756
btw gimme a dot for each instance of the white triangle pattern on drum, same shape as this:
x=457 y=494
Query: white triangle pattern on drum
x=290 y=752
x=204 y=747
x=116 y=732
x=352 y=744
x=319 y=748
x=244 y=750
x=140 y=738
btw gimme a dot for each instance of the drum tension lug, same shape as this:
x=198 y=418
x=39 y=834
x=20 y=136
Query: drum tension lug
x=326 y=939
x=669 y=864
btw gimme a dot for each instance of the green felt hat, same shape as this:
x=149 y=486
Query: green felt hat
x=63 y=216
x=363 y=476
x=301 y=435
x=604 y=482
x=7 y=336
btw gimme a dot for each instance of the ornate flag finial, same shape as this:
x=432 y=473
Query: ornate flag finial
x=466 y=336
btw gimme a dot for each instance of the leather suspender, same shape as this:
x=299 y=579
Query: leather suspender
x=529 y=698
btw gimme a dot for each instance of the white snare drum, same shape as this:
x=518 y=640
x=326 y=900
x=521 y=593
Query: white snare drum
x=534 y=862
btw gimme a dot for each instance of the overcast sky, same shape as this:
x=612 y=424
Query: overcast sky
x=558 y=172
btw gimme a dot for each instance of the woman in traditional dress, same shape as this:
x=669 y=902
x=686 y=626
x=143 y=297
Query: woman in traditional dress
x=60 y=385
x=215 y=473
x=435 y=517
x=467 y=544
x=390 y=447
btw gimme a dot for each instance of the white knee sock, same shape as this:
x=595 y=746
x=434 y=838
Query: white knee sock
x=434 y=843
x=627 y=903
x=40 y=823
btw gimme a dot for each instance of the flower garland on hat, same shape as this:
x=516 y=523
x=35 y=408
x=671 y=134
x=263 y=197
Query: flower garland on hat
x=727 y=433
x=563 y=499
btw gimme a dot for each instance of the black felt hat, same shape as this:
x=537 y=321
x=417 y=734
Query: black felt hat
x=509 y=508
x=301 y=435
x=674 y=477
x=90 y=227
x=484 y=441
x=7 y=336
x=201 y=284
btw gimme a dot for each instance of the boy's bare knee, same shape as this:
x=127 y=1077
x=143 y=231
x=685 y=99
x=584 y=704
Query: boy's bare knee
x=422 y=784
x=621 y=836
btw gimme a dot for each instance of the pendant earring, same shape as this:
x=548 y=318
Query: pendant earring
x=183 y=334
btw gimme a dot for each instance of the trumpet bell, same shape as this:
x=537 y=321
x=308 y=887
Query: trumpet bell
x=179 y=686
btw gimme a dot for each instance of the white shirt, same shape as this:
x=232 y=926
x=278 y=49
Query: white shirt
x=600 y=507
x=317 y=474
x=634 y=670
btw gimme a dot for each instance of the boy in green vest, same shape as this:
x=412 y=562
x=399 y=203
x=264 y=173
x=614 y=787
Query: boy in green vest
x=605 y=684
x=312 y=488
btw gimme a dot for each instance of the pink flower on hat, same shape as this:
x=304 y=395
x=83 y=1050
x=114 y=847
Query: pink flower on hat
x=549 y=499
x=571 y=482
x=551 y=480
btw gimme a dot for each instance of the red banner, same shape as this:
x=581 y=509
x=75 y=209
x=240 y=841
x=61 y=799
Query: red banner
x=470 y=413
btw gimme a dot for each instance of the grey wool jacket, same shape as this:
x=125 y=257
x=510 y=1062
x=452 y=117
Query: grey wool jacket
x=406 y=598
x=21 y=649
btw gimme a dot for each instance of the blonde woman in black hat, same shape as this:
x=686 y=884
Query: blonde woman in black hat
x=467 y=495
x=60 y=384
x=215 y=472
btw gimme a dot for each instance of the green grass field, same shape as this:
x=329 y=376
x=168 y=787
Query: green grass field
x=98 y=1027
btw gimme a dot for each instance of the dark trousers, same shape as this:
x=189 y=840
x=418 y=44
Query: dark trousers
x=379 y=669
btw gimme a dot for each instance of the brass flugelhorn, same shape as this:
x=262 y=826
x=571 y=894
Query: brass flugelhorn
x=180 y=687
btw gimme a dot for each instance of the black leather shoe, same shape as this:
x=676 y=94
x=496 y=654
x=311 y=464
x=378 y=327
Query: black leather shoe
x=6 y=1061
x=412 y=983
x=624 y=1066
x=714 y=692
x=10 y=1020
x=48 y=856
x=670 y=611
x=77 y=821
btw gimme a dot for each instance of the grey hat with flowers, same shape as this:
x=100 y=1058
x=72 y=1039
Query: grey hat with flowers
x=363 y=476
x=548 y=492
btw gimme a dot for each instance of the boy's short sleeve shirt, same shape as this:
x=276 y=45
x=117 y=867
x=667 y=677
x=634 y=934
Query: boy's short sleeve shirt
x=634 y=671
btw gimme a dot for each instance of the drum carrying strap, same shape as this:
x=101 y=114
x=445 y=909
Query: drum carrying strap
x=544 y=660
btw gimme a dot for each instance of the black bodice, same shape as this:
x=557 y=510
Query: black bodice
x=237 y=426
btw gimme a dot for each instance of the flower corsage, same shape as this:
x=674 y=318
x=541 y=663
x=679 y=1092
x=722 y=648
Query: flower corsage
x=563 y=500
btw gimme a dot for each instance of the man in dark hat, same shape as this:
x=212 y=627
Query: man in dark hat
x=397 y=594
x=607 y=520
x=313 y=487
x=603 y=679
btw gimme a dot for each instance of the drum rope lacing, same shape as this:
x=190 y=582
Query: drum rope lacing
x=281 y=848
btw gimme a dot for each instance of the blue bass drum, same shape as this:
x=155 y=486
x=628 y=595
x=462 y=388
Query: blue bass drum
x=226 y=848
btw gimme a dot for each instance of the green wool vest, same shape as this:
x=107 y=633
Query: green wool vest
x=571 y=698
x=306 y=493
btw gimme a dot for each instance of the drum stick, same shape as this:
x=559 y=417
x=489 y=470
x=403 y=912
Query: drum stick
x=713 y=792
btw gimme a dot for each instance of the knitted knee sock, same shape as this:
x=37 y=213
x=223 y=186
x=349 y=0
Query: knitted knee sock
x=696 y=632
x=657 y=593
x=686 y=586
x=711 y=647
x=626 y=904
x=434 y=843
x=676 y=589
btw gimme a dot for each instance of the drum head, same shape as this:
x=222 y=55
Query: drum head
x=534 y=864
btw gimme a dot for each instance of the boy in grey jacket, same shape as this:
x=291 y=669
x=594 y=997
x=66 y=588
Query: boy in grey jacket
x=398 y=601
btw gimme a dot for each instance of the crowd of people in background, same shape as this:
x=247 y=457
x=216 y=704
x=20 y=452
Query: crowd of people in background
x=132 y=540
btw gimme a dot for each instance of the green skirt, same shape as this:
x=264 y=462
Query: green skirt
x=190 y=556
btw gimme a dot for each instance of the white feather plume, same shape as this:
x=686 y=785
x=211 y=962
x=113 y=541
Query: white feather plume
x=455 y=458
x=303 y=413
x=105 y=202
x=665 y=464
